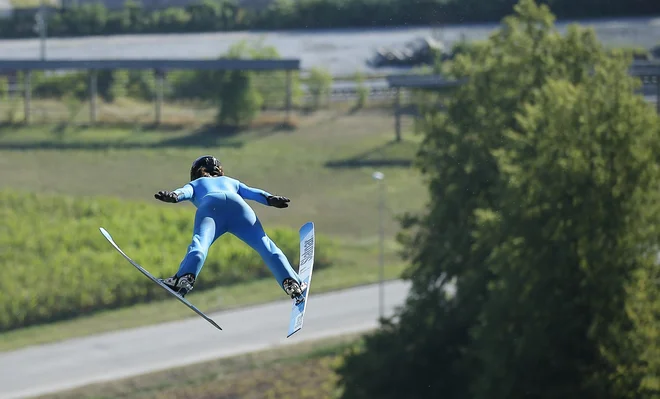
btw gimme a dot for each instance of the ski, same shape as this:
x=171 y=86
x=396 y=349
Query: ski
x=307 y=241
x=155 y=280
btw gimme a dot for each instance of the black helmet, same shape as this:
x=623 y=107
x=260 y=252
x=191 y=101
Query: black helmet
x=210 y=163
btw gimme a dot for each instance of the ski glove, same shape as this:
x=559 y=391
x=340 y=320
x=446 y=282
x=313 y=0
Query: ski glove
x=167 y=196
x=278 y=201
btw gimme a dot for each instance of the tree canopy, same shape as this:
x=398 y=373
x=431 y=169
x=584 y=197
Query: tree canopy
x=544 y=217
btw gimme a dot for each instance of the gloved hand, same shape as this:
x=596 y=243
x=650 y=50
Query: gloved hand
x=167 y=196
x=278 y=201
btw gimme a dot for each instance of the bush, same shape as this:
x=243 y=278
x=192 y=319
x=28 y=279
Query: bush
x=240 y=102
x=319 y=83
x=59 y=85
x=240 y=95
x=60 y=266
x=138 y=84
x=362 y=91
x=542 y=221
x=224 y=15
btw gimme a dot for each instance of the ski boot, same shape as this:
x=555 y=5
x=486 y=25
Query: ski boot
x=181 y=285
x=294 y=290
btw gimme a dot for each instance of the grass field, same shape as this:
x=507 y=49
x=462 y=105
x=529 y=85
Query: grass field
x=306 y=371
x=33 y=3
x=76 y=274
x=324 y=166
x=358 y=267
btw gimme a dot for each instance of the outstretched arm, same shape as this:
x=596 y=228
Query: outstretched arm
x=254 y=194
x=262 y=196
x=184 y=193
x=180 y=194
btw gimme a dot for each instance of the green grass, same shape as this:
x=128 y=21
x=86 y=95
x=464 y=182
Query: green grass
x=306 y=370
x=33 y=3
x=355 y=267
x=324 y=166
x=76 y=273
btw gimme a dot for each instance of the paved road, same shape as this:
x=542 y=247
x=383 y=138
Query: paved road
x=60 y=366
x=342 y=51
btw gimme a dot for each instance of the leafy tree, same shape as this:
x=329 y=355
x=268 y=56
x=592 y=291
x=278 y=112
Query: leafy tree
x=240 y=100
x=362 y=91
x=574 y=223
x=119 y=86
x=4 y=88
x=221 y=15
x=319 y=83
x=543 y=213
x=204 y=16
x=240 y=103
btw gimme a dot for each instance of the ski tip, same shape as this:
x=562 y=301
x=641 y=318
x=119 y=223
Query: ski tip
x=210 y=320
x=307 y=227
x=105 y=233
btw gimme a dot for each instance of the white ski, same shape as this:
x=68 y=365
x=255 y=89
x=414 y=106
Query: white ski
x=155 y=280
x=307 y=241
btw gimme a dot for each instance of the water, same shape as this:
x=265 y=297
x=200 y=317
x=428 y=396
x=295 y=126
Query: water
x=342 y=51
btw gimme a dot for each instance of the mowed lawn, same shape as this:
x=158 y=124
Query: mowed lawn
x=305 y=370
x=324 y=166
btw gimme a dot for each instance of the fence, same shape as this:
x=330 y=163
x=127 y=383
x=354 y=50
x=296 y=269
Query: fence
x=183 y=91
x=142 y=90
x=168 y=91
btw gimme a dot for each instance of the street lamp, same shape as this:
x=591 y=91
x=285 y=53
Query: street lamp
x=381 y=210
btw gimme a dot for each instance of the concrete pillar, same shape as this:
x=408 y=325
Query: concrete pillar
x=397 y=114
x=289 y=90
x=27 y=94
x=93 y=89
x=159 y=88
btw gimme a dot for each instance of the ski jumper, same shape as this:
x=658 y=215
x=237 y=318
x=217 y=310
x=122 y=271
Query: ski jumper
x=221 y=208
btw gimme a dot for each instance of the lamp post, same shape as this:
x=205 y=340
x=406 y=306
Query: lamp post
x=381 y=232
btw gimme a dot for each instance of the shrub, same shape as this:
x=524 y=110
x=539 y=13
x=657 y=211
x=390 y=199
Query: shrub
x=319 y=83
x=61 y=266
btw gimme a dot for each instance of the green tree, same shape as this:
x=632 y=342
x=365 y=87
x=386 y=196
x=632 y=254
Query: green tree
x=88 y=19
x=319 y=83
x=119 y=86
x=240 y=102
x=205 y=15
x=4 y=88
x=362 y=91
x=543 y=213
x=574 y=224
x=271 y=85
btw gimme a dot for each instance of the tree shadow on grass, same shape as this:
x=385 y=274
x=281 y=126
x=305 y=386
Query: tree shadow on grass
x=202 y=137
x=391 y=154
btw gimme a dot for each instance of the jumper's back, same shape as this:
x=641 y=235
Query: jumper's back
x=196 y=190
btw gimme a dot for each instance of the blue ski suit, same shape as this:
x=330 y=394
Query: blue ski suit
x=221 y=208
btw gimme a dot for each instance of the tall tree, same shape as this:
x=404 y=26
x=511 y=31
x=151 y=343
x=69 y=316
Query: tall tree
x=543 y=182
